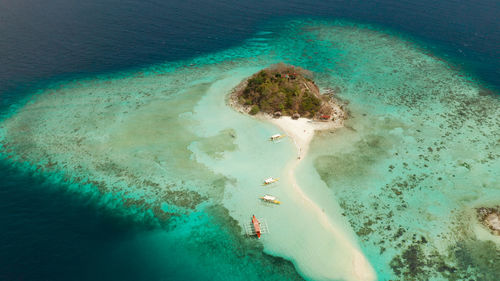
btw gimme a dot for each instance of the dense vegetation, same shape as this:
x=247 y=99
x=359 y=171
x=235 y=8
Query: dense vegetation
x=284 y=89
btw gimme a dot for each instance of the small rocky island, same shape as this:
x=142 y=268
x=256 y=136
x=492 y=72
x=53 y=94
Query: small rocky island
x=284 y=90
x=490 y=217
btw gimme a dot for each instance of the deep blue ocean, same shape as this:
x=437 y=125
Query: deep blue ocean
x=47 y=234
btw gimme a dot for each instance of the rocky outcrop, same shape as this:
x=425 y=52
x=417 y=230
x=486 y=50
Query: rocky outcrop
x=490 y=217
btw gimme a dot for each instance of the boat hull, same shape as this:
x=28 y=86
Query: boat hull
x=256 y=226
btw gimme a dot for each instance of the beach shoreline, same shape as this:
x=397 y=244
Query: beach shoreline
x=301 y=131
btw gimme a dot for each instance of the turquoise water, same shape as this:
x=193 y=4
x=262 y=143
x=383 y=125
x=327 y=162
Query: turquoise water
x=419 y=152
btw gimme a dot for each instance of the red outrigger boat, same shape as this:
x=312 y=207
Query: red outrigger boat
x=256 y=226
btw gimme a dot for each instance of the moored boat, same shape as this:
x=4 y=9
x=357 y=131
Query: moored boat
x=256 y=226
x=270 y=180
x=276 y=137
x=270 y=199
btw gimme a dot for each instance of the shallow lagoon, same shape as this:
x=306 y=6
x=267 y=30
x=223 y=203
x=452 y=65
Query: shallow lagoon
x=402 y=173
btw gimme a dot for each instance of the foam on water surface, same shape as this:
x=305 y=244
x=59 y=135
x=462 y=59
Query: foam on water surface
x=418 y=153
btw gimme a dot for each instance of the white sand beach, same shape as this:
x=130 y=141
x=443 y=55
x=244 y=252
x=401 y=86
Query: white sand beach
x=301 y=131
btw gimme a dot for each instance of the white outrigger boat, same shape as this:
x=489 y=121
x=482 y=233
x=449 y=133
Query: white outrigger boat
x=270 y=199
x=276 y=137
x=270 y=180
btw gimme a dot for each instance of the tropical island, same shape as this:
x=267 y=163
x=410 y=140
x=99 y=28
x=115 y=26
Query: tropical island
x=284 y=90
x=287 y=96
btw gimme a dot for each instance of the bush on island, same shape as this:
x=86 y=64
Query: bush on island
x=254 y=110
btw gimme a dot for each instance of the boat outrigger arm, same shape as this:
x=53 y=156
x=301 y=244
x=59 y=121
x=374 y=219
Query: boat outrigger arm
x=270 y=180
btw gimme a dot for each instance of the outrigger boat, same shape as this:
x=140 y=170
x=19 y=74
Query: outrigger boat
x=256 y=227
x=276 y=137
x=270 y=180
x=270 y=199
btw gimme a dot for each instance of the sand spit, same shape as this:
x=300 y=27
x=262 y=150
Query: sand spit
x=360 y=266
x=301 y=131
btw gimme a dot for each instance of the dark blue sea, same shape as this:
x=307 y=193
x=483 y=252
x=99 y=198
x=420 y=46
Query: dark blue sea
x=49 y=234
